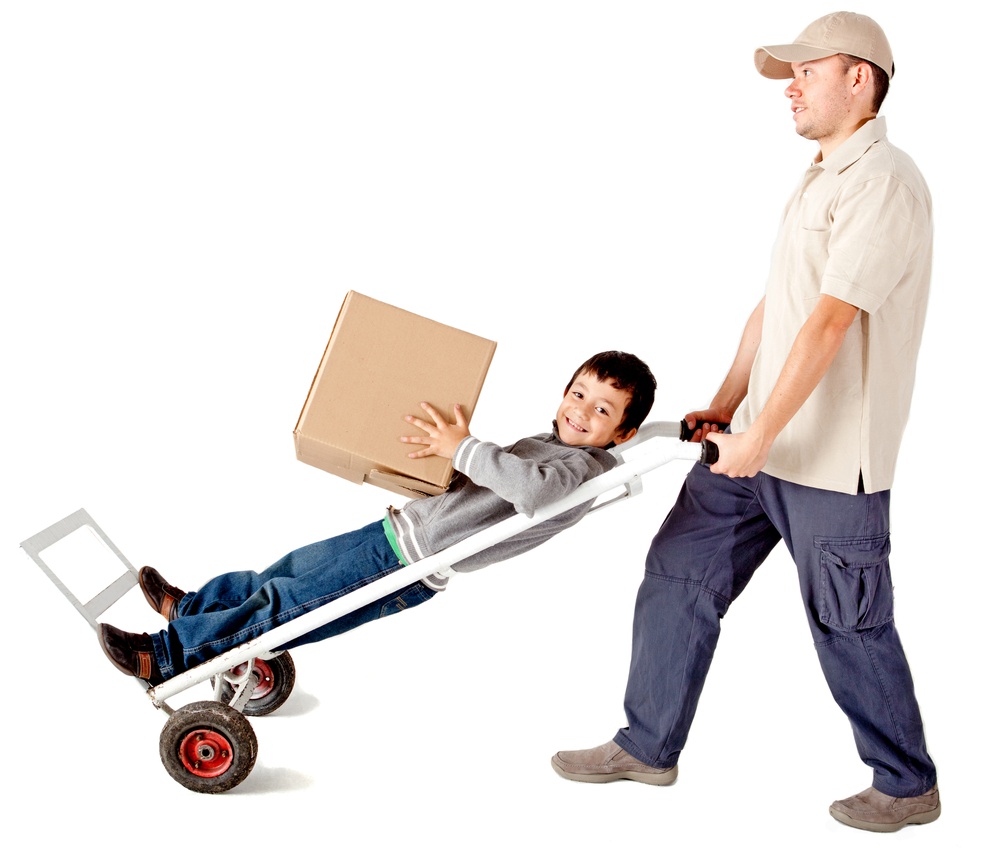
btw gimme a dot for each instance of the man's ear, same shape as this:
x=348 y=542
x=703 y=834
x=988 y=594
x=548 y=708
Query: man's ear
x=861 y=76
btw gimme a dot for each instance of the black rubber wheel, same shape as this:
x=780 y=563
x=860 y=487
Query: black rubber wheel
x=276 y=678
x=208 y=747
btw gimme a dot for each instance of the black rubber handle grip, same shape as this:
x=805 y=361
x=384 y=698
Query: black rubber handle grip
x=709 y=452
x=687 y=432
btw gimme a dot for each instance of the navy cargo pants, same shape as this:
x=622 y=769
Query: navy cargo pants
x=705 y=553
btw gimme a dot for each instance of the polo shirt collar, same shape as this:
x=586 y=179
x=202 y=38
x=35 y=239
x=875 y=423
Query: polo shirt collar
x=857 y=144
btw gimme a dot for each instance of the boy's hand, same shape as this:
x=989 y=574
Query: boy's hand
x=442 y=438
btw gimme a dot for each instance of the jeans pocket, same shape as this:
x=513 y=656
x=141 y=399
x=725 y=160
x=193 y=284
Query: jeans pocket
x=856 y=587
x=408 y=597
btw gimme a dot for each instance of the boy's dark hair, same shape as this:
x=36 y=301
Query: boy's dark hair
x=627 y=373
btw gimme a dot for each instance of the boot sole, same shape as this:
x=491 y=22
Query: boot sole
x=656 y=778
x=879 y=827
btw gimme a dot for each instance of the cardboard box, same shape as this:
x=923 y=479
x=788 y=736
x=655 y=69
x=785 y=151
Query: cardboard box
x=379 y=364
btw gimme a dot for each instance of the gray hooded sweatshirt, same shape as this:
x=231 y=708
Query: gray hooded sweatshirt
x=491 y=484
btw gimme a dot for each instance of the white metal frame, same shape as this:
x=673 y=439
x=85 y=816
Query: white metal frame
x=628 y=474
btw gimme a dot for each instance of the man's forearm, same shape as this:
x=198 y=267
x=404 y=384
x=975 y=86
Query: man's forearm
x=812 y=353
x=734 y=388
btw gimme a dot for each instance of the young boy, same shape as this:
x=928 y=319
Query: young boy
x=604 y=404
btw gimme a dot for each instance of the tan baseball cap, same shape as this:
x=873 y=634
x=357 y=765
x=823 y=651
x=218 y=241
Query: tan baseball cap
x=838 y=32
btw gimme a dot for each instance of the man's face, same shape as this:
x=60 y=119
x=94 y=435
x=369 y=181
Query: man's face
x=590 y=412
x=820 y=93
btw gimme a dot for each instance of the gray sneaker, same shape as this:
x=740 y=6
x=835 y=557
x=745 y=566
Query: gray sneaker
x=872 y=810
x=606 y=763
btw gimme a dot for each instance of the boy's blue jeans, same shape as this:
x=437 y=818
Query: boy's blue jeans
x=718 y=533
x=238 y=606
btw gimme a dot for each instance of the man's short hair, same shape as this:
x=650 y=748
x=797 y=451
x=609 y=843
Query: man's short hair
x=880 y=80
x=627 y=373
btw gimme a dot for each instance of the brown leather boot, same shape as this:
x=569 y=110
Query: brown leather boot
x=130 y=653
x=162 y=597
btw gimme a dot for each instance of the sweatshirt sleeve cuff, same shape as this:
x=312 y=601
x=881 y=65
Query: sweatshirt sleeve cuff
x=464 y=453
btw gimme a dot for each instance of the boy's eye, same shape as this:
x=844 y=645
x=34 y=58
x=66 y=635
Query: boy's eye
x=602 y=410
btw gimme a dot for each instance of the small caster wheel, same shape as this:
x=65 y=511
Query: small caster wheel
x=275 y=680
x=208 y=747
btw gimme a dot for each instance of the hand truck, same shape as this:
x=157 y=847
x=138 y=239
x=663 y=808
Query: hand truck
x=209 y=746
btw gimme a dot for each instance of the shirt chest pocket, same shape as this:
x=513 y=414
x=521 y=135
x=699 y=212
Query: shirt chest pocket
x=812 y=218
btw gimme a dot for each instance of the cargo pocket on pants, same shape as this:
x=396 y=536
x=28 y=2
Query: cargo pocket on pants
x=855 y=584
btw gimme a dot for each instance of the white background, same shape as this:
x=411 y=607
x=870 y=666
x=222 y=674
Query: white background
x=188 y=191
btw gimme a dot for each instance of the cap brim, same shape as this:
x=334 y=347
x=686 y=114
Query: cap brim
x=775 y=61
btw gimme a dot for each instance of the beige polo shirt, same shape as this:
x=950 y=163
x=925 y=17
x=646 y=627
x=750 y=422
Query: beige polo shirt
x=859 y=229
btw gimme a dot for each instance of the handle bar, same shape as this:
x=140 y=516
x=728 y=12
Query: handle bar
x=709 y=450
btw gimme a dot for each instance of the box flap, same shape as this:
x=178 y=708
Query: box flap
x=402 y=485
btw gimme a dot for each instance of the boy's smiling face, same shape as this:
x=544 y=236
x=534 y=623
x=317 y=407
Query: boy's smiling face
x=591 y=412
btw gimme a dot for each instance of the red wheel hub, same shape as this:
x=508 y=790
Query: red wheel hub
x=206 y=753
x=265 y=677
